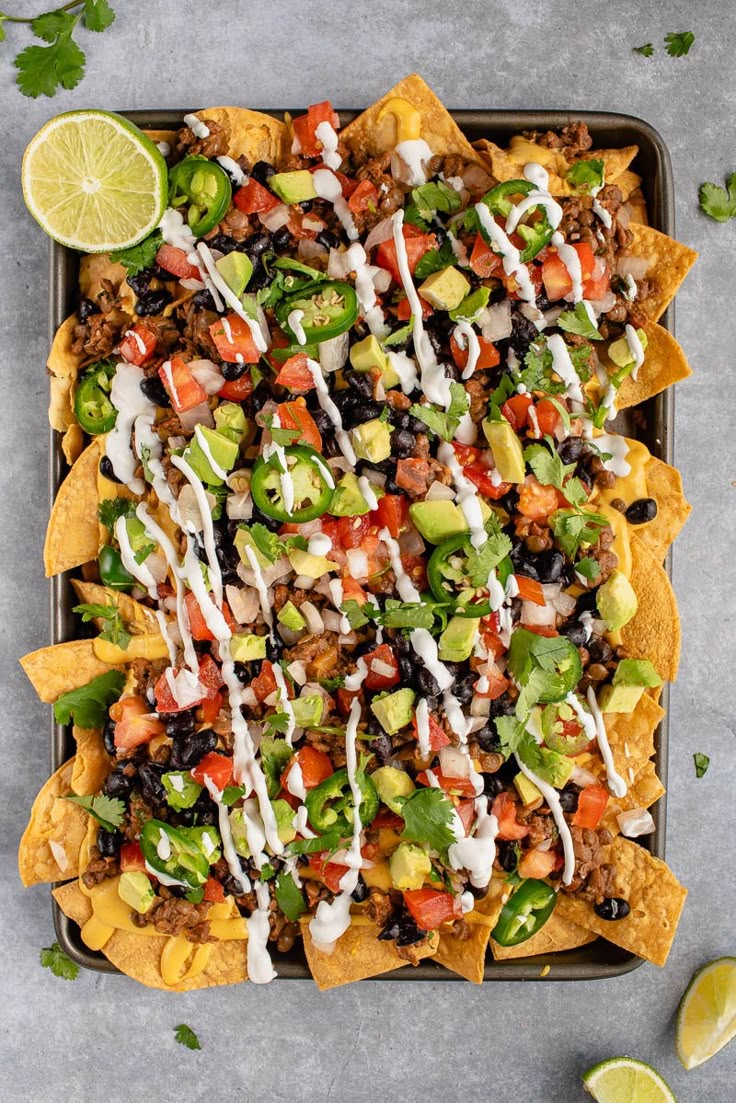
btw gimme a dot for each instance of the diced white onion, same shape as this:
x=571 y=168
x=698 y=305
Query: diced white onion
x=288 y=635
x=635 y=822
x=192 y=285
x=312 y=616
x=564 y=604
x=438 y=492
x=157 y=565
x=274 y=219
x=357 y=563
x=454 y=762
x=198 y=415
x=411 y=543
x=308 y=250
x=303 y=582
x=542 y=615
x=207 y=374
x=332 y=620
x=381 y=280
x=243 y=602
x=334 y=353
x=298 y=671
x=476 y=723
x=385 y=670
x=239 y=507
x=188 y=507
x=480 y=706
x=380 y=232
x=582 y=777
x=315 y=225
x=636 y=267
x=338 y=264
x=602 y=306
x=495 y=321
x=249 y=698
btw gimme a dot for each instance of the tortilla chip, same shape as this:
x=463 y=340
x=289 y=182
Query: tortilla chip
x=63 y=367
x=654 y=633
x=63 y=666
x=631 y=736
x=73 y=534
x=556 y=935
x=467 y=956
x=156 y=136
x=643 y=792
x=72 y=444
x=664 y=484
x=654 y=894
x=92 y=763
x=56 y=820
x=95 y=268
x=627 y=183
x=139 y=956
x=664 y=365
x=637 y=205
x=366 y=136
x=357 y=955
x=250 y=134
x=669 y=263
x=136 y=617
x=508 y=164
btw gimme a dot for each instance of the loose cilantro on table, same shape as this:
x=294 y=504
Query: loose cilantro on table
x=114 y=629
x=185 y=1036
x=428 y=816
x=108 y=811
x=578 y=321
x=702 y=762
x=646 y=50
x=719 y=203
x=53 y=957
x=140 y=256
x=678 y=43
x=88 y=705
x=42 y=70
x=444 y=423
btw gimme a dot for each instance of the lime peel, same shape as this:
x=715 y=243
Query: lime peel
x=706 y=1017
x=626 y=1080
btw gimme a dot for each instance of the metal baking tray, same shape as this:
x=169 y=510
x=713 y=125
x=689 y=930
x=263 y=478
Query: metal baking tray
x=599 y=959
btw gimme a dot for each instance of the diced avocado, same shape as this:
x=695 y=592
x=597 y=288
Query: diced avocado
x=526 y=789
x=230 y=418
x=438 y=521
x=245 y=647
x=308 y=710
x=224 y=452
x=290 y=617
x=236 y=269
x=348 y=501
x=616 y=600
x=313 y=566
x=284 y=814
x=293 y=187
x=135 y=889
x=508 y=453
x=238 y=832
x=182 y=790
x=392 y=783
x=472 y=304
x=636 y=672
x=137 y=534
x=556 y=769
x=410 y=866
x=367 y=355
x=394 y=711
x=445 y=290
x=620 y=353
x=458 y=639
x=208 y=840
x=372 y=440
x=619 y=698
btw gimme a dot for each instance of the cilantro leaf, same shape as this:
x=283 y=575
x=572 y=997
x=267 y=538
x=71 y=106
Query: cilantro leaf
x=399 y=336
x=88 y=705
x=480 y=563
x=52 y=24
x=510 y=733
x=288 y=897
x=718 y=203
x=114 y=630
x=275 y=753
x=53 y=957
x=140 y=256
x=547 y=465
x=577 y=321
x=330 y=841
x=646 y=50
x=435 y=260
x=267 y=542
x=702 y=762
x=537 y=372
x=355 y=614
x=433 y=197
x=98 y=15
x=281 y=436
x=231 y=794
x=111 y=509
x=108 y=811
x=185 y=1036
x=427 y=816
x=42 y=69
x=678 y=43
x=585 y=175
x=437 y=421
x=399 y=614
x=575 y=527
x=588 y=568
x=277 y=722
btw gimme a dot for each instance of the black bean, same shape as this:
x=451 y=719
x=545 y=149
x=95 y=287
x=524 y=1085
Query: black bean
x=463 y=687
x=155 y=391
x=86 y=308
x=492 y=785
x=118 y=783
x=575 y=632
x=426 y=682
x=190 y=750
x=271 y=524
x=361 y=382
x=409 y=932
x=549 y=565
x=569 y=798
x=281 y=240
x=257 y=244
x=523 y=333
x=204 y=809
x=223 y=243
x=274 y=648
x=262 y=172
x=502 y=706
x=360 y=892
x=245 y=672
x=329 y=239
x=141 y=281
x=108 y=736
x=506 y=855
x=641 y=511
x=330 y=445
x=381 y=745
x=402 y=443
x=152 y=787
x=570 y=450
x=390 y=931
x=259 y=277
x=599 y=650
x=406 y=669
x=231 y=372
x=613 y=907
x=203 y=299
x=108 y=842
x=179 y=724
x=152 y=302
x=107 y=470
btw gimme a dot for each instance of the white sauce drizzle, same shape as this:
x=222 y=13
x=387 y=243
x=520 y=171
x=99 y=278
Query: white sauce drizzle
x=329 y=188
x=616 y=783
x=284 y=702
x=260 y=966
x=329 y=407
x=294 y=322
x=512 y=262
x=365 y=289
x=231 y=298
x=618 y=449
x=553 y=802
x=233 y=169
x=422 y=718
x=130 y=402
x=368 y=492
x=139 y=570
x=571 y=260
x=466 y=495
x=476 y=853
x=466 y=337
x=261 y=587
x=603 y=214
x=635 y=348
x=415 y=153
x=197 y=127
x=202 y=441
x=563 y=366
x=406 y=588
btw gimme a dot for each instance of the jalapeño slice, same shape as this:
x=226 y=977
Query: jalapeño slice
x=330 y=804
x=112 y=571
x=562 y=730
x=328 y=309
x=92 y=405
x=447 y=574
x=172 y=853
x=304 y=479
x=525 y=912
x=203 y=188
x=536 y=234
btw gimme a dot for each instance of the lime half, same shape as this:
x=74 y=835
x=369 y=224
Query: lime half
x=94 y=182
x=624 y=1080
x=706 y=1018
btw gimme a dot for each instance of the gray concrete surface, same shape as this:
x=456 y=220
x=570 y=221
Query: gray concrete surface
x=104 y=1037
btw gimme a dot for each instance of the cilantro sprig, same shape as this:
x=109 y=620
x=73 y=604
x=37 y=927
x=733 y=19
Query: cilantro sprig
x=702 y=762
x=53 y=957
x=717 y=202
x=42 y=70
x=185 y=1036
x=108 y=811
x=549 y=469
x=578 y=321
x=444 y=423
x=140 y=256
x=88 y=705
x=111 y=509
x=427 y=816
x=114 y=629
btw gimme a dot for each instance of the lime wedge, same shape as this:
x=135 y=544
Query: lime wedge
x=706 y=1018
x=94 y=182
x=624 y=1080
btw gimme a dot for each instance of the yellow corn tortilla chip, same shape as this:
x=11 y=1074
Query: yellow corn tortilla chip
x=654 y=894
x=357 y=955
x=654 y=633
x=664 y=365
x=53 y=820
x=627 y=182
x=161 y=136
x=73 y=533
x=643 y=792
x=72 y=444
x=556 y=935
x=63 y=666
x=136 y=617
x=631 y=736
x=139 y=956
x=637 y=205
x=466 y=956
x=366 y=136
x=669 y=263
x=92 y=763
x=508 y=164
x=250 y=134
x=63 y=368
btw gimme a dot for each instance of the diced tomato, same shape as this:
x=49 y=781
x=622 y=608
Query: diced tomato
x=536 y=501
x=135 y=724
x=351 y=531
x=197 y=623
x=253 y=198
x=548 y=417
x=481 y=477
x=403 y=309
x=387 y=818
x=183 y=389
x=392 y=514
x=353 y=591
x=130 y=346
x=295 y=415
x=516 y=410
x=489 y=631
x=542 y=629
x=591 y=806
x=330 y=873
x=530 y=589
x=483 y=260
x=233 y=340
x=131 y=858
x=466 y=453
x=279 y=340
x=412 y=475
x=504 y=809
x=213 y=891
x=458 y=786
x=497 y=685
x=438 y=738
x=314 y=765
x=296 y=374
x=217 y=767
x=417 y=244
x=305 y=127
x=430 y=908
x=377 y=679
x=488 y=356
x=466 y=812
x=557 y=279
x=211 y=707
x=237 y=390
x=210 y=675
x=537 y=863
x=175 y=262
x=265 y=683
x=345 y=698
x=364 y=198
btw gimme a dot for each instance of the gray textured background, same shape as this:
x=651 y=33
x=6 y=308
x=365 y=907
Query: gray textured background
x=106 y=1038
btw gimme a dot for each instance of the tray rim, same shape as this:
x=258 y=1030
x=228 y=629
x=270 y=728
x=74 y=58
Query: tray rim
x=567 y=966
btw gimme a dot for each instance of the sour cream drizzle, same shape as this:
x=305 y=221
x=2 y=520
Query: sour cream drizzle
x=130 y=402
x=230 y=297
x=329 y=188
x=553 y=801
x=512 y=262
x=422 y=718
x=616 y=783
x=466 y=337
x=476 y=852
x=327 y=135
x=635 y=348
x=329 y=407
x=260 y=967
x=466 y=495
x=415 y=153
x=365 y=289
x=405 y=586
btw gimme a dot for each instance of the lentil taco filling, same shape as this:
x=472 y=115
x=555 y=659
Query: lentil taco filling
x=373 y=571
